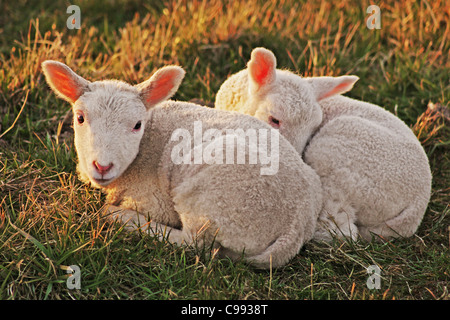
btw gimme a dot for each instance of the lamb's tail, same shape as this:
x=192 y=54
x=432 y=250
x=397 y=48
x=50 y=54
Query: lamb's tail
x=405 y=224
x=279 y=252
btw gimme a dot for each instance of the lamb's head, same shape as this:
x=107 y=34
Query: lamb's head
x=281 y=98
x=109 y=116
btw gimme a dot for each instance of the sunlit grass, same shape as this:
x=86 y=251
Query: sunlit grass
x=50 y=220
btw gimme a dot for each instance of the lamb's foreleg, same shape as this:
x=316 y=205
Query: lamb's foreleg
x=135 y=221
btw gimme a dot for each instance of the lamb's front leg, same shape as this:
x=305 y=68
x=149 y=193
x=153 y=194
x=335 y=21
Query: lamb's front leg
x=135 y=221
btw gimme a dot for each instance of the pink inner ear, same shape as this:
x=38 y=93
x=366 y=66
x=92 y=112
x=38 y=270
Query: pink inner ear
x=260 y=68
x=64 y=82
x=161 y=88
x=261 y=73
x=342 y=87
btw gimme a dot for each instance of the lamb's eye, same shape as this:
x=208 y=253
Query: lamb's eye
x=274 y=122
x=80 y=118
x=137 y=127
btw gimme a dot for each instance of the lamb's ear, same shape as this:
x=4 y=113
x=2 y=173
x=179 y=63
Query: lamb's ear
x=261 y=69
x=161 y=86
x=63 y=81
x=325 y=87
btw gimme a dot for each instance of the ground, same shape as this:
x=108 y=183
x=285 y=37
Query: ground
x=49 y=220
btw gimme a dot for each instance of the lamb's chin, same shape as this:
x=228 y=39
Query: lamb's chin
x=102 y=182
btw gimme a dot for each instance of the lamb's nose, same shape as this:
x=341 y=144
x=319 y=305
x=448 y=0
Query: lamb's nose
x=102 y=169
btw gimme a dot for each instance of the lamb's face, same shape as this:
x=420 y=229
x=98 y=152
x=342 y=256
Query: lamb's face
x=109 y=116
x=290 y=106
x=109 y=122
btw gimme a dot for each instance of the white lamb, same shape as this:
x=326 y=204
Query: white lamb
x=125 y=146
x=375 y=174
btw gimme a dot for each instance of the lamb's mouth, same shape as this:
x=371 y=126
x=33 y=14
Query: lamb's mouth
x=102 y=182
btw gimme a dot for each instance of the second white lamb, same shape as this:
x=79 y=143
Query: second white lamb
x=375 y=175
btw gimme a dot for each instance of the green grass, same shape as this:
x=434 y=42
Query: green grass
x=50 y=220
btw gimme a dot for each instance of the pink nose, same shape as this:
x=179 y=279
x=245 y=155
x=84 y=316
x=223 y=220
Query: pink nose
x=102 y=169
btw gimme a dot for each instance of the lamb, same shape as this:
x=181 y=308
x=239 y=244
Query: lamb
x=126 y=145
x=375 y=175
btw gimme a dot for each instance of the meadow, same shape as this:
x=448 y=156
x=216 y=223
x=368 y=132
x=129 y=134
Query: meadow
x=50 y=220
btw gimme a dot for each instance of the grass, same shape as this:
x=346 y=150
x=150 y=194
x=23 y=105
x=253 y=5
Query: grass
x=50 y=220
